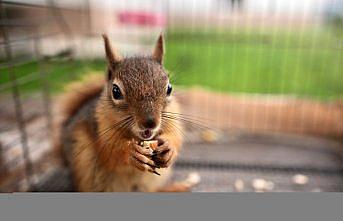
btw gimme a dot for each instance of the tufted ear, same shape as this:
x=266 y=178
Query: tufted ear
x=112 y=56
x=159 y=50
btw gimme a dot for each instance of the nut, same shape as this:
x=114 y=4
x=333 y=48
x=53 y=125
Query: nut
x=149 y=144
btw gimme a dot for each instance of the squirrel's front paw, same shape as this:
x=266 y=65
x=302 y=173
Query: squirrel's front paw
x=163 y=154
x=141 y=159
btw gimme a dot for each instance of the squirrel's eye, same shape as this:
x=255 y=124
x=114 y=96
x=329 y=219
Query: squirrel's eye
x=169 y=89
x=116 y=92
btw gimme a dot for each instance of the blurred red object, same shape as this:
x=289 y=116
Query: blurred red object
x=142 y=18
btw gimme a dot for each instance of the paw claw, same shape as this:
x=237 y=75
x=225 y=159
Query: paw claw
x=155 y=172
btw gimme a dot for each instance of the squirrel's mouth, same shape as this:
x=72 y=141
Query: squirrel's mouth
x=146 y=134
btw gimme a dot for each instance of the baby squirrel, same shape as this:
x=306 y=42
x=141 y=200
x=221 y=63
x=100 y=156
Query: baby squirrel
x=104 y=121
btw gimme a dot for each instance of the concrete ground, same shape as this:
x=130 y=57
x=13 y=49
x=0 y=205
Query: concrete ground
x=271 y=158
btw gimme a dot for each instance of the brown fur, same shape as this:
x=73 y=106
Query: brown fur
x=104 y=159
x=79 y=95
x=70 y=102
x=107 y=172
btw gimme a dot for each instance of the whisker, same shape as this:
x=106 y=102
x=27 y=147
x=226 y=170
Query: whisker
x=92 y=142
x=190 y=122
x=101 y=134
x=171 y=127
x=198 y=118
x=179 y=130
x=120 y=129
x=186 y=118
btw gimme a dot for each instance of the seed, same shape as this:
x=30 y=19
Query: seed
x=208 y=136
x=192 y=179
x=239 y=185
x=300 y=179
x=316 y=190
x=261 y=185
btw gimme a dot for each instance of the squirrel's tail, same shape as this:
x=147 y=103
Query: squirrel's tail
x=77 y=94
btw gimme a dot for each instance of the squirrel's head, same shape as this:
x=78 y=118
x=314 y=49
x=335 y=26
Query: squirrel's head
x=138 y=88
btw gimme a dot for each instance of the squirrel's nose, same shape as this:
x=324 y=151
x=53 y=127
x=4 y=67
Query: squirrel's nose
x=149 y=123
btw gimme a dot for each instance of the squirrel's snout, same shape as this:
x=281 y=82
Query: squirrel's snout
x=149 y=123
x=147 y=127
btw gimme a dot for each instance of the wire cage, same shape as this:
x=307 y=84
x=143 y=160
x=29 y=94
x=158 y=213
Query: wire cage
x=263 y=78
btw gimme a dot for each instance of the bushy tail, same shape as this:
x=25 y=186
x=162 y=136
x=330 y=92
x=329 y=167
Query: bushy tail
x=76 y=94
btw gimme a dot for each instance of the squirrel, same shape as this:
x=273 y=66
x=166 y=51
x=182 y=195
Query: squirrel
x=102 y=123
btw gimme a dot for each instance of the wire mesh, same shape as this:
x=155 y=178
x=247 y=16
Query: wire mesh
x=241 y=66
x=19 y=29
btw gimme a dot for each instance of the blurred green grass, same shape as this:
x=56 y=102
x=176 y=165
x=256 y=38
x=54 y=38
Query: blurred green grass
x=56 y=73
x=303 y=64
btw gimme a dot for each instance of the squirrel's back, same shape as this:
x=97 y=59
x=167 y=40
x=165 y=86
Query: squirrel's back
x=78 y=94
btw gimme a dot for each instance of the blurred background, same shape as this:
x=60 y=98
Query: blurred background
x=262 y=81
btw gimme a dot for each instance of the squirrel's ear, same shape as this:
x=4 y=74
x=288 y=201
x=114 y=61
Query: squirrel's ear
x=112 y=56
x=159 y=50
